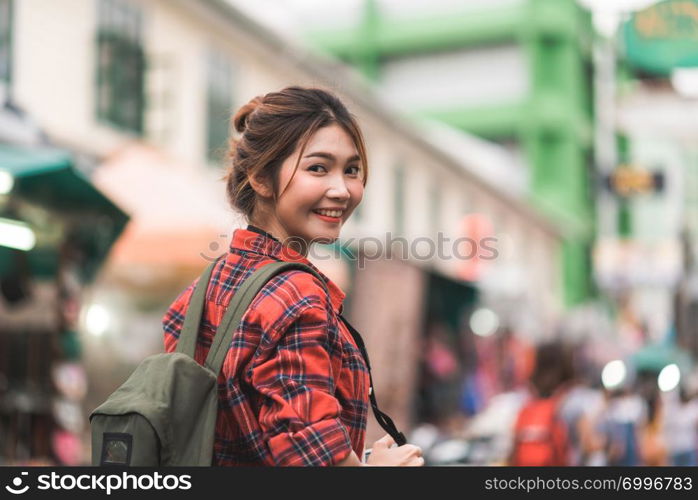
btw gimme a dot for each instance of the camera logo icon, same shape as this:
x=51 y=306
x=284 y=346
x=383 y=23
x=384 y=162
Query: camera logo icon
x=17 y=483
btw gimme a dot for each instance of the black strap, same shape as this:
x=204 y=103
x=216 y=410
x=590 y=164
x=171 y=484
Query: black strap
x=233 y=315
x=192 y=320
x=383 y=419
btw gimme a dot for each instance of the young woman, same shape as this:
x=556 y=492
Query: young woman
x=294 y=388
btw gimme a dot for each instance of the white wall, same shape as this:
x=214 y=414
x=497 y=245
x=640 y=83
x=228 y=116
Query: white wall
x=466 y=77
x=55 y=82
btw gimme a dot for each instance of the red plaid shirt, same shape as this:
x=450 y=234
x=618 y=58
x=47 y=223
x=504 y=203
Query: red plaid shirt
x=293 y=389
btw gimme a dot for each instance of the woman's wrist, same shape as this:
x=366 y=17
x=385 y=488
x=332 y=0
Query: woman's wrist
x=351 y=460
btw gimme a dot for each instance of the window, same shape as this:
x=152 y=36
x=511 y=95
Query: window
x=219 y=103
x=6 y=41
x=120 y=66
x=399 y=200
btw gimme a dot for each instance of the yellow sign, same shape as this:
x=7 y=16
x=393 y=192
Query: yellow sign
x=627 y=181
x=678 y=19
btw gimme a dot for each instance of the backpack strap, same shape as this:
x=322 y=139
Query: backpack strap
x=190 y=329
x=241 y=300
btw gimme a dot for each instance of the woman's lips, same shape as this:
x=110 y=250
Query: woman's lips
x=328 y=219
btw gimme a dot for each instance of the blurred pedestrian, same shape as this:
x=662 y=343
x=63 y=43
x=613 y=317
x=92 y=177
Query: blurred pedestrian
x=540 y=436
x=681 y=427
x=580 y=409
x=625 y=415
x=442 y=375
x=653 y=450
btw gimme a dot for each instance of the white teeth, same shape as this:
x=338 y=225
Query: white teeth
x=330 y=213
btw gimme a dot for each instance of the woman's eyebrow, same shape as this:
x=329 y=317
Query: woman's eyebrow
x=330 y=156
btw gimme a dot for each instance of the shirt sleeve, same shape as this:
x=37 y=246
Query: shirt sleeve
x=295 y=376
x=173 y=320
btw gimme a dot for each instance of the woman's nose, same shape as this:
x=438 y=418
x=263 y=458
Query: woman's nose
x=338 y=190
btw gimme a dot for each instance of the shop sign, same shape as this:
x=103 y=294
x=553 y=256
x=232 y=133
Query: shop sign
x=627 y=181
x=622 y=264
x=663 y=36
x=476 y=231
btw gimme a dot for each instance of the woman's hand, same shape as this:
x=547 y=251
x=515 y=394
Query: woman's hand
x=407 y=455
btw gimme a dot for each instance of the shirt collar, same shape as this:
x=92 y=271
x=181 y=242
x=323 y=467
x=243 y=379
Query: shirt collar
x=254 y=239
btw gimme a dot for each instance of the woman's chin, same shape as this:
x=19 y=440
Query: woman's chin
x=325 y=237
x=324 y=234
x=325 y=240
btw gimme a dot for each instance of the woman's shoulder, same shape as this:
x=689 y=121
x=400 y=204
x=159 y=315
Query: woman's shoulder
x=293 y=288
x=288 y=295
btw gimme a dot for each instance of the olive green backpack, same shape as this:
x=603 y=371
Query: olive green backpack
x=165 y=413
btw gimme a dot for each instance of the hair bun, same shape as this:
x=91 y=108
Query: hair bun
x=240 y=118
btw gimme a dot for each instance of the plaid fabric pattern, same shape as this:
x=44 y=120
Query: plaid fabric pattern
x=293 y=389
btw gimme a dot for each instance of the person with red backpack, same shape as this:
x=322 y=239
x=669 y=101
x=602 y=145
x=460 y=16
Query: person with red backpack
x=540 y=435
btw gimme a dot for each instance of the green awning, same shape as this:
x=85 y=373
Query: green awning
x=48 y=178
x=655 y=357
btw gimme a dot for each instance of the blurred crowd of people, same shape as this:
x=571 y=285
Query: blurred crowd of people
x=633 y=423
x=562 y=415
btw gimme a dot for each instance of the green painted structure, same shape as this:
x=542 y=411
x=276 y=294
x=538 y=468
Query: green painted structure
x=553 y=123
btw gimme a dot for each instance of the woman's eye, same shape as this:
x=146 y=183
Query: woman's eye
x=315 y=167
x=354 y=170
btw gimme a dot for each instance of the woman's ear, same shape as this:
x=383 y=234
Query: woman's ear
x=261 y=187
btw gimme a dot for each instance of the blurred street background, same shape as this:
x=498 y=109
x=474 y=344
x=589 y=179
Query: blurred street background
x=557 y=138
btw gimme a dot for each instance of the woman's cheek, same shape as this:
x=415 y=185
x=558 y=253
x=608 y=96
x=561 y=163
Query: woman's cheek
x=357 y=194
x=311 y=184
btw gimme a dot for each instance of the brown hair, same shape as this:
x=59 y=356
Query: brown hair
x=553 y=369
x=271 y=127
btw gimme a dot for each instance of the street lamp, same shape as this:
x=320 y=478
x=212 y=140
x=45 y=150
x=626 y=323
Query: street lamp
x=16 y=234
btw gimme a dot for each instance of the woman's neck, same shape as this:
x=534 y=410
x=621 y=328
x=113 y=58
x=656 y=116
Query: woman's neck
x=276 y=232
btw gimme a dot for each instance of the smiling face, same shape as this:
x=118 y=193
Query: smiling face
x=329 y=178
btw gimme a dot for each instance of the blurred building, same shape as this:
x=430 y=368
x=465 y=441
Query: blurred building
x=646 y=255
x=55 y=231
x=517 y=72
x=148 y=87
